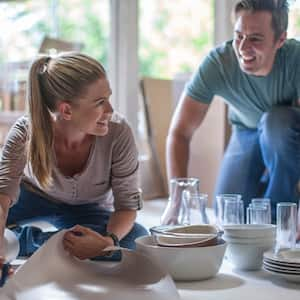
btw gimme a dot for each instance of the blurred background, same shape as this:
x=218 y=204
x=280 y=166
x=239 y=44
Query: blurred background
x=150 y=48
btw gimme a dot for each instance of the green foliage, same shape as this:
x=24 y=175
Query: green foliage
x=201 y=42
x=89 y=28
x=151 y=62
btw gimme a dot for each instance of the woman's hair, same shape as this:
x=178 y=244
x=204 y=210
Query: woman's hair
x=279 y=10
x=64 y=77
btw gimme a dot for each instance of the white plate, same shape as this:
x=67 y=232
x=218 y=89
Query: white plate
x=287 y=257
x=292 y=256
x=281 y=264
x=282 y=269
x=289 y=277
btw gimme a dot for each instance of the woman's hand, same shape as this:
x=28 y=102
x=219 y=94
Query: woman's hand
x=84 y=243
x=5 y=271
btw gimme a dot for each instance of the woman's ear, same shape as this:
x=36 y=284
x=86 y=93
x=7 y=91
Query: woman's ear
x=64 y=110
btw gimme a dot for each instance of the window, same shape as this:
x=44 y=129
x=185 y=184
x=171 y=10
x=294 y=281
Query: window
x=174 y=35
x=294 y=20
x=27 y=23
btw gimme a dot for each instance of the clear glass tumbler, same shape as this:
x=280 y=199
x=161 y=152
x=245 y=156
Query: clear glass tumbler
x=286 y=225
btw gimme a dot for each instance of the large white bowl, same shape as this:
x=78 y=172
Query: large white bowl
x=248 y=256
x=250 y=230
x=194 y=263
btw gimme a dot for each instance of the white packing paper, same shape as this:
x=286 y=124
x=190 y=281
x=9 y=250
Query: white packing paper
x=51 y=273
x=11 y=246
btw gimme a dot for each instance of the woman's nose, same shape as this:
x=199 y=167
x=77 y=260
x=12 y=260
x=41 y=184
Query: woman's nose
x=108 y=107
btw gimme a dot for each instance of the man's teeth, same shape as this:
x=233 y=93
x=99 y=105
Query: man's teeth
x=247 y=58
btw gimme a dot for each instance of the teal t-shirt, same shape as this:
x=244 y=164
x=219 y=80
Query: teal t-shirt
x=248 y=96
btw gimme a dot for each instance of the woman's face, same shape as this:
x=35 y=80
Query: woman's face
x=92 y=113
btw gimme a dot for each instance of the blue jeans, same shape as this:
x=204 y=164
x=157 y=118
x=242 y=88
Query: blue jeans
x=32 y=207
x=264 y=162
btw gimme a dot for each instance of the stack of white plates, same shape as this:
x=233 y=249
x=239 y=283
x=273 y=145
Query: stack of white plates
x=285 y=264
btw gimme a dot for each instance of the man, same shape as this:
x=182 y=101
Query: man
x=258 y=75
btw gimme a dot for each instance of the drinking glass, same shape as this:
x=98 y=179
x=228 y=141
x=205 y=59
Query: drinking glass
x=177 y=209
x=220 y=208
x=258 y=214
x=286 y=225
x=266 y=202
x=197 y=209
x=233 y=211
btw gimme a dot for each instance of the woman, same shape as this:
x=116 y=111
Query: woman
x=70 y=163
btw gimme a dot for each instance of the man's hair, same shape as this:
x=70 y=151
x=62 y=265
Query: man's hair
x=278 y=8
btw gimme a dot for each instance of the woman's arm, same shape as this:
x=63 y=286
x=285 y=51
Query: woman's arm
x=4 y=206
x=84 y=243
x=121 y=222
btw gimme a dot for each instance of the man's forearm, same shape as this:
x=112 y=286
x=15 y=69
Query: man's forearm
x=177 y=156
x=121 y=222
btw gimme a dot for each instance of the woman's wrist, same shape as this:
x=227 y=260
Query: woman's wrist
x=114 y=238
x=113 y=241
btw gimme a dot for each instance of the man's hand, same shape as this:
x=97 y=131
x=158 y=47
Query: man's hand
x=84 y=243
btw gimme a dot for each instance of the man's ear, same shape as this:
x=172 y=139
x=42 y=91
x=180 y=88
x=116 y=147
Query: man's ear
x=281 y=39
x=65 y=110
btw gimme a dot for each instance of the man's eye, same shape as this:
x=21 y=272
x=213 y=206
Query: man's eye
x=255 y=39
x=238 y=37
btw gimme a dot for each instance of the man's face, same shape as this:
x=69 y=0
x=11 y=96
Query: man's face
x=254 y=42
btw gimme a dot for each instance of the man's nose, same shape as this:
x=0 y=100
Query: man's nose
x=244 y=44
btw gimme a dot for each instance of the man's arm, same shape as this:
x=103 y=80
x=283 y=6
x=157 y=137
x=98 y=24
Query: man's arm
x=188 y=116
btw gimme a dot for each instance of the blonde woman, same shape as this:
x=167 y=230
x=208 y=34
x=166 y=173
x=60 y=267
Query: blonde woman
x=69 y=163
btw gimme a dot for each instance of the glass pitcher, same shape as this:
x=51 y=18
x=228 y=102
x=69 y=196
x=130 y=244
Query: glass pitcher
x=184 y=199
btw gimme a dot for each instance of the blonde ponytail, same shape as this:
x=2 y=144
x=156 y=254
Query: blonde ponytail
x=41 y=127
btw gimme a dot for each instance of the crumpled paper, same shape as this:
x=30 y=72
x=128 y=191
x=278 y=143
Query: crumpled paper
x=51 y=273
x=11 y=246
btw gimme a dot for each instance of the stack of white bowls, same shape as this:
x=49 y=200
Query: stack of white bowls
x=186 y=253
x=246 y=244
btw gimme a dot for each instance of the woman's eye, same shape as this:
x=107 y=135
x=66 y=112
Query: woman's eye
x=99 y=103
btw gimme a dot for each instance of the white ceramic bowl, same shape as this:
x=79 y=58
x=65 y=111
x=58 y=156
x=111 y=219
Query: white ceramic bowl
x=185 y=236
x=248 y=256
x=194 y=263
x=250 y=230
x=257 y=240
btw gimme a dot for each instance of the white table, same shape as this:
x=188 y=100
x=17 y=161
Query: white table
x=231 y=284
